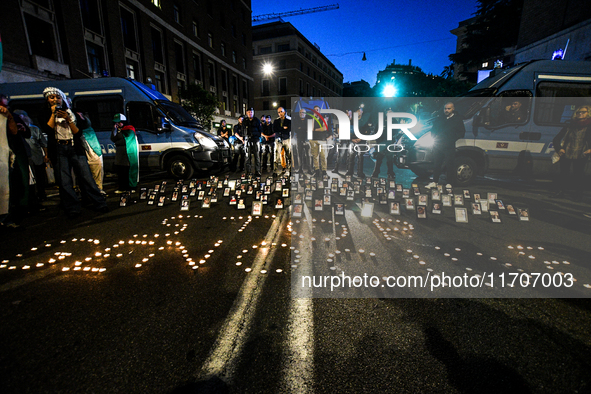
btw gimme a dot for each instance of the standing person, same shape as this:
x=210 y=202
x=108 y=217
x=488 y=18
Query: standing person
x=343 y=148
x=252 y=134
x=126 y=154
x=282 y=130
x=39 y=158
x=268 y=144
x=356 y=152
x=573 y=145
x=301 y=136
x=64 y=140
x=318 y=145
x=7 y=127
x=383 y=152
x=238 y=144
x=447 y=129
x=94 y=152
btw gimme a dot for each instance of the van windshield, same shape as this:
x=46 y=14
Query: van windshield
x=177 y=114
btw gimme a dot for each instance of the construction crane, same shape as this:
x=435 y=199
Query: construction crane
x=278 y=15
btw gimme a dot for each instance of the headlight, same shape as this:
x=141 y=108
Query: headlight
x=426 y=142
x=205 y=141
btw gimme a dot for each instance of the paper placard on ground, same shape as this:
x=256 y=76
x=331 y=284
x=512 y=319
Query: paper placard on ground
x=461 y=215
x=494 y=216
x=185 y=205
x=523 y=214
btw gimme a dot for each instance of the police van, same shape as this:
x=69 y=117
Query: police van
x=169 y=137
x=497 y=138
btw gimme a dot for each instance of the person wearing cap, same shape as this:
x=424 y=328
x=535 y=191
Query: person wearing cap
x=69 y=154
x=252 y=134
x=126 y=154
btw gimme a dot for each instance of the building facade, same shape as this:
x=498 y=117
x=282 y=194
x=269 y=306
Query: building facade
x=167 y=44
x=294 y=67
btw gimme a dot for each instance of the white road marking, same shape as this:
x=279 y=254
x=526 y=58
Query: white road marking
x=222 y=360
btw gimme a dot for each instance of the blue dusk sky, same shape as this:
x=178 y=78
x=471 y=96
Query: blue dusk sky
x=384 y=30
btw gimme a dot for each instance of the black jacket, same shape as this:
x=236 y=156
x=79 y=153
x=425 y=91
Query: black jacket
x=282 y=132
x=447 y=131
x=252 y=129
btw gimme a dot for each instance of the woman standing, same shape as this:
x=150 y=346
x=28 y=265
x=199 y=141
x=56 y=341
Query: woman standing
x=573 y=145
x=126 y=155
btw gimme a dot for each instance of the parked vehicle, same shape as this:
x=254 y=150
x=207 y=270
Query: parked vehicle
x=169 y=137
x=548 y=93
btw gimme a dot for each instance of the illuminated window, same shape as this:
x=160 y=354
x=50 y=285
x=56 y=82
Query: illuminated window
x=157 y=3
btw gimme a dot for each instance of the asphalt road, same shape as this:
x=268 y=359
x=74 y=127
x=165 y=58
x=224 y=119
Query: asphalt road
x=123 y=309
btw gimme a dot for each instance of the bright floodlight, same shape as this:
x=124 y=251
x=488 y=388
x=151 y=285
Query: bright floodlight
x=389 y=91
x=267 y=68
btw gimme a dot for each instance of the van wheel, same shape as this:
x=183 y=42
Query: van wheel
x=180 y=167
x=464 y=171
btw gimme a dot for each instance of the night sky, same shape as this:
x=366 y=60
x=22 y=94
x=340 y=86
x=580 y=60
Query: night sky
x=385 y=30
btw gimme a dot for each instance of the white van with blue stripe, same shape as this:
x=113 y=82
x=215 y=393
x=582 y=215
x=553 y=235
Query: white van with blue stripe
x=549 y=93
x=169 y=137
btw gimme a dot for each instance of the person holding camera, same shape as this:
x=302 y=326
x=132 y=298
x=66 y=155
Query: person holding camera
x=69 y=153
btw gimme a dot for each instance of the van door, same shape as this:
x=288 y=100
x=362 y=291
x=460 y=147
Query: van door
x=144 y=117
x=505 y=132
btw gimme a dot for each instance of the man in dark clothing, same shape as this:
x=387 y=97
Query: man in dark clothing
x=252 y=134
x=267 y=143
x=282 y=130
x=447 y=129
x=238 y=159
x=301 y=146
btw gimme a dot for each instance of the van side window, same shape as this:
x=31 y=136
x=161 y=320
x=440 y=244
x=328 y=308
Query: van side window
x=511 y=107
x=34 y=108
x=140 y=115
x=556 y=101
x=101 y=110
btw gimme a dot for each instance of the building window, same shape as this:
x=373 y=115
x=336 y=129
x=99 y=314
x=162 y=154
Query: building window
x=243 y=39
x=244 y=90
x=176 y=11
x=95 y=58
x=159 y=82
x=233 y=29
x=283 y=47
x=266 y=88
x=197 y=67
x=210 y=39
x=222 y=20
x=282 y=89
x=223 y=48
x=301 y=88
x=244 y=63
x=211 y=74
x=234 y=58
x=234 y=85
x=157 y=3
x=91 y=15
x=224 y=80
x=265 y=50
x=41 y=37
x=131 y=69
x=234 y=105
x=209 y=8
x=128 y=29
x=157 y=47
x=179 y=57
x=195 y=28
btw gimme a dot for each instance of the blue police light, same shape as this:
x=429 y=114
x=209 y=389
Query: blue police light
x=558 y=55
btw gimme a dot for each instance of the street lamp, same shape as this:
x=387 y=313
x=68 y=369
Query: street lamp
x=267 y=68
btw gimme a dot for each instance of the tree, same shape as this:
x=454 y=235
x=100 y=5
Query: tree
x=200 y=103
x=496 y=27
